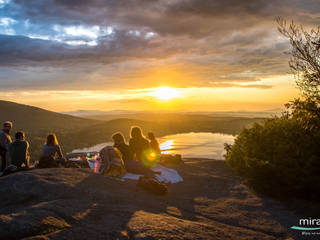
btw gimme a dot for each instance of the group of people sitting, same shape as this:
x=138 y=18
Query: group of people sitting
x=137 y=157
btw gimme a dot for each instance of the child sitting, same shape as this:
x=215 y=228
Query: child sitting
x=111 y=162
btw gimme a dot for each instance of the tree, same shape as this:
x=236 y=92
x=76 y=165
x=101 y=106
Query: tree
x=305 y=57
x=282 y=156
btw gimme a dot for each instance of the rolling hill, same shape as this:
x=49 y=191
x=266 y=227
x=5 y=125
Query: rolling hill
x=37 y=123
x=72 y=132
x=33 y=119
x=75 y=132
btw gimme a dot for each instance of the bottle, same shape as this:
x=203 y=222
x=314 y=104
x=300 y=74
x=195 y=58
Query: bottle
x=97 y=164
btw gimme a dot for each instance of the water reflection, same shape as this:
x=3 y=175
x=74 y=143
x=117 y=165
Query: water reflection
x=196 y=145
x=167 y=147
x=189 y=145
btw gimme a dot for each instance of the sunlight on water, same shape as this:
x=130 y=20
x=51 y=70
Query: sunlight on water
x=167 y=146
x=95 y=148
x=196 y=145
x=189 y=145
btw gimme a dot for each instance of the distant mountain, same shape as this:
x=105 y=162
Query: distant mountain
x=254 y=114
x=88 y=113
x=83 y=113
x=76 y=132
x=114 y=114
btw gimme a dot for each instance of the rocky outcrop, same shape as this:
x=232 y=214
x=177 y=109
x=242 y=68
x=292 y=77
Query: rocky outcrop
x=211 y=203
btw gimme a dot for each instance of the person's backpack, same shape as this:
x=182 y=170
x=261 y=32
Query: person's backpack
x=151 y=184
x=111 y=162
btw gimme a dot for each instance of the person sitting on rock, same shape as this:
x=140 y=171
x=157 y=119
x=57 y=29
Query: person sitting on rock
x=154 y=144
x=119 y=143
x=139 y=145
x=19 y=151
x=111 y=162
x=131 y=165
x=51 y=155
x=5 y=139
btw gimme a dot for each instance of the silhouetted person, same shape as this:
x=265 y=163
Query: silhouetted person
x=19 y=151
x=139 y=145
x=119 y=143
x=5 y=139
x=154 y=144
x=51 y=155
x=131 y=165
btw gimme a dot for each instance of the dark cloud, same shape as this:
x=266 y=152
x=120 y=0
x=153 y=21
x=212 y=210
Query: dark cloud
x=216 y=41
x=21 y=50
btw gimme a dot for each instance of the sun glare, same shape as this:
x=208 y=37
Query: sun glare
x=165 y=93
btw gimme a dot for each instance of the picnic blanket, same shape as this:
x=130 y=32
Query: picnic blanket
x=167 y=175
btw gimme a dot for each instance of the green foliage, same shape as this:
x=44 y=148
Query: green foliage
x=307 y=113
x=279 y=156
x=282 y=155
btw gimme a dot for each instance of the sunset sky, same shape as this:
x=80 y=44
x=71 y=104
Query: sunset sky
x=184 y=55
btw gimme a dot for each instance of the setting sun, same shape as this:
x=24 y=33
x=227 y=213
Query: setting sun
x=165 y=93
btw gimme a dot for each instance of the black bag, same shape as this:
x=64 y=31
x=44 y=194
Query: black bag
x=151 y=184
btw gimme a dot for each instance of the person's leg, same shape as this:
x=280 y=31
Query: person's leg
x=136 y=167
x=10 y=169
x=3 y=161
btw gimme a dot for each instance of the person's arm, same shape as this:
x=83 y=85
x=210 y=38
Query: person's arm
x=6 y=141
x=130 y=154
x=132 y=150
x=9 y=140
x=105 y=160
x=130 y=146
x=3 y=142
x=26 y=155
x=147 y=143
x=158 y=147
x=8 y=153
x=59 y=152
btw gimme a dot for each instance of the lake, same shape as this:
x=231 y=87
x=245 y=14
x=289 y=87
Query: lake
x=189 y=145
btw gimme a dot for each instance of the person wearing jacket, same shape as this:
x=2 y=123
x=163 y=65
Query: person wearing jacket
x=5 y=139
x=51 y=156
x=131 y=165
x=154 y=144
x=19 y=151
x=139 y=145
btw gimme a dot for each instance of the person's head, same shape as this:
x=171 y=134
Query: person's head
x=20 y=135
x=118 y=138
x=151 y=136
x=7 y=126
x=52 y=140
x=136 y=132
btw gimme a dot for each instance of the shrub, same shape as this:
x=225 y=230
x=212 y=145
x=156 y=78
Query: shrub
x=282 y=155
x=278 y=156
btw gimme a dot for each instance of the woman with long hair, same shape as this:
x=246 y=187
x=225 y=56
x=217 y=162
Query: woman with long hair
x=131 y=165
x=51 y=155
x=120 y=143
x=154 y=144
x=139 y=145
